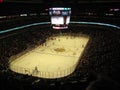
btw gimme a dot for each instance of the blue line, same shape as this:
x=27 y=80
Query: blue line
x=42 y=23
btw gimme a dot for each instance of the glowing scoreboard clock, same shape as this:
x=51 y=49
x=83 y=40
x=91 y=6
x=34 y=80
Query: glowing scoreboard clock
x=60 y=17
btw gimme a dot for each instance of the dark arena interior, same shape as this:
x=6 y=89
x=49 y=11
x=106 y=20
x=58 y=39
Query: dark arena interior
x=99 y=65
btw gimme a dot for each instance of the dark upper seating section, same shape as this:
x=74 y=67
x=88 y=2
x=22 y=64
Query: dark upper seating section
x=100 y=58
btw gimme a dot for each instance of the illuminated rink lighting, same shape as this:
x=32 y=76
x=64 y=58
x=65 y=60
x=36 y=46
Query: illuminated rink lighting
x=55 y=59
x=43 y=23
x=47 y=74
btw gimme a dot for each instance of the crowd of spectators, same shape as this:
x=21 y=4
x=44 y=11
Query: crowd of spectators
x=101 y=19
x=100 y=59
x=8 y=23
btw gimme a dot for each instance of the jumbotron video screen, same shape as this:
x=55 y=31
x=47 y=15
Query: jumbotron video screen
x=60 y=17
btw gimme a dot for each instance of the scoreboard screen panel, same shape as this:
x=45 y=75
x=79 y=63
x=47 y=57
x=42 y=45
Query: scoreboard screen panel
x=60 y=17
x=57 y=20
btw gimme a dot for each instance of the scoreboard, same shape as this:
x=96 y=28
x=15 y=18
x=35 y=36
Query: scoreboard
x=60 y=17
x=60 y=11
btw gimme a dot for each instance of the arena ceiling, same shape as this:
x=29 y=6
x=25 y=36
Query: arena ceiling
x=23 y=6
x=68 y=1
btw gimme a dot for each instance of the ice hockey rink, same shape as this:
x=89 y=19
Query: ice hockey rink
x=57 y=57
